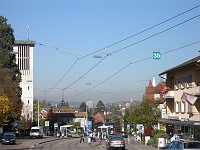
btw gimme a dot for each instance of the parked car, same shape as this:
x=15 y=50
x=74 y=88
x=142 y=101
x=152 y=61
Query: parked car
x=183 y=145
x=124 y=134
x=8 y=138
x=115 y=141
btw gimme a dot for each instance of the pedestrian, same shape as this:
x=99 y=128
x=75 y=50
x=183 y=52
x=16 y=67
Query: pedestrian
x=82 y=137
x=91 y=136
x=94 y=136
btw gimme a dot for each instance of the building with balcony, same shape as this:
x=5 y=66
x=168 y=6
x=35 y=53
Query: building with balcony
x=182 y=96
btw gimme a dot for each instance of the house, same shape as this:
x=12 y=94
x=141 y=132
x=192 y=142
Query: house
x=58 y=115
x=67 y=117
x=182 y=91
x=153 y=91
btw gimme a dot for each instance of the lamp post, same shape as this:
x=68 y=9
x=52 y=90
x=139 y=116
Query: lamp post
x=38 y=112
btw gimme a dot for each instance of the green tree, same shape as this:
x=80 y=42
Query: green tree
x=10 y=76
x=6 y=42
x=82 y=107
x=146 y=113
x=116 y=123
x=99 y=107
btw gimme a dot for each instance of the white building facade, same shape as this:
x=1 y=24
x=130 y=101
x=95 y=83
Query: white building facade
x=24 y=59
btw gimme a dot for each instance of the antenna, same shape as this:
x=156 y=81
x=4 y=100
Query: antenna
x=28 y=31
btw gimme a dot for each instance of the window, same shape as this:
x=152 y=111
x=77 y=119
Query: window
x=28 y=87
x=189 y=80
x=28 y=101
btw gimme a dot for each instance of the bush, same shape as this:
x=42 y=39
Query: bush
x=24 y=134
x=157 y=134
x=151 y=142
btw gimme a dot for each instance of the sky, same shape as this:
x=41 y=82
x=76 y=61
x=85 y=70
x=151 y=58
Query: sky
x=103 y=50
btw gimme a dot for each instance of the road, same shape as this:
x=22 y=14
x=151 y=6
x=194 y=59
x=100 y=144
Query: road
x=50 y=143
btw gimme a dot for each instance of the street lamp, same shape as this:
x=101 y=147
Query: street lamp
x=38 y=112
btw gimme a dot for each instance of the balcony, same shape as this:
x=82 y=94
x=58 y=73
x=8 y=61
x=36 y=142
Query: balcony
x=169 y=94
x=193 y=90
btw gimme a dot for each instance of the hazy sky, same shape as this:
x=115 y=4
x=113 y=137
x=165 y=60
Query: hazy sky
x=68 y=34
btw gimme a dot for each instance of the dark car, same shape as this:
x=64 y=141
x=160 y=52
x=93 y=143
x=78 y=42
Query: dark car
x=115 y=141
x=183 y=145
x=124 y=134
x=8 y=138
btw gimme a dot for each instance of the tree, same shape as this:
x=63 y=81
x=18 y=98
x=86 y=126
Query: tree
x=99 y=107
x=5 y=108
x=82 y=107
x=146 y=113
x=63 y=103
x=10 y=76
x=6 y=42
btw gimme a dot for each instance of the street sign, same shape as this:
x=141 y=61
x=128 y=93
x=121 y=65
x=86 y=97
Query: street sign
x=46 y=123
x=89 y=126
x=55 y=125
x=156 y=55
x=128 y=126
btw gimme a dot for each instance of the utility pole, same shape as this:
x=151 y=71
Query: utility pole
x=38 y=112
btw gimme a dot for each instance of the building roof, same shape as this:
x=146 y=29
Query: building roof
x=150 y=84
x=71 y=114
x=183 y=65
x=24 y=42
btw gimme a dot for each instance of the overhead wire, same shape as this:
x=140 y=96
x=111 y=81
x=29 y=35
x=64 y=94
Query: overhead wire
x=118 y=42
x=141 y=60
x=129 y=38
x=133 y=45
x=156 y=34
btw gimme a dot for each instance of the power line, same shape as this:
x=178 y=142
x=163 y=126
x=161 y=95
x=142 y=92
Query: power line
x=156 y=34
x=141 y=60
x=131 y=37
x=142 y=31
x=120 y=41
x=133 y=45
x=86 y=72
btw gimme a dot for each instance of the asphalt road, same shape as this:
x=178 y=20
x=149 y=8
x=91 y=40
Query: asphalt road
x=51 y=143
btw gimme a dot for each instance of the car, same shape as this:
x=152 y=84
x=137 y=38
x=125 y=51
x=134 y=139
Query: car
x=183 y=145
x=124 y=134
x=115 y=141
x=8 y=138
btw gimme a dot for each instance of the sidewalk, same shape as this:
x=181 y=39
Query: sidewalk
x=137 y=145
x=85 y=143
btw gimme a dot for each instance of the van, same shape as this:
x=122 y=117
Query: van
x=36 y=132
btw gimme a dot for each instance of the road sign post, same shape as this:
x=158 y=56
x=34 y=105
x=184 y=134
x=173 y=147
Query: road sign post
x=89 y=129
x=128 y=128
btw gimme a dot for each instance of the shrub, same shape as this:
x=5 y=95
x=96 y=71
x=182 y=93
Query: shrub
x=157 y=134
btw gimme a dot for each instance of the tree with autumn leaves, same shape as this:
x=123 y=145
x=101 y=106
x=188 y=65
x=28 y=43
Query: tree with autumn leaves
x=146 y=113
x=10 y=77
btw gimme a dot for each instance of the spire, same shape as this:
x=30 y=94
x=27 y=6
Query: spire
x=154 y=81
x=150 y=83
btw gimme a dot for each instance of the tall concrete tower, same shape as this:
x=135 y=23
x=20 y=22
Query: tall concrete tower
x=24 y=59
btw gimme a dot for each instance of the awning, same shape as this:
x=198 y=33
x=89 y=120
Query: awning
x=177 y=122
x=166 y=89
x=189 y=98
